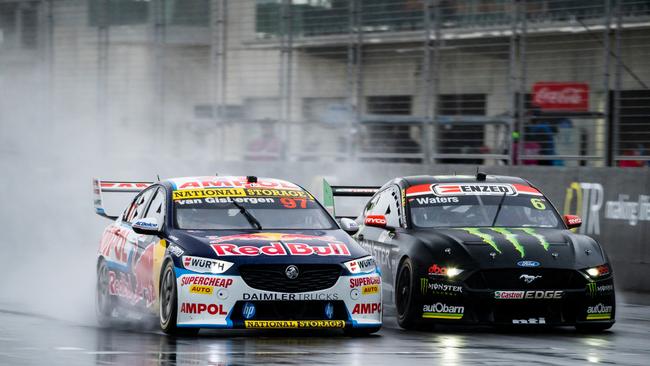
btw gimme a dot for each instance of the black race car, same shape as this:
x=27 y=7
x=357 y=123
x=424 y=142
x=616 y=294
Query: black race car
x=481 y=250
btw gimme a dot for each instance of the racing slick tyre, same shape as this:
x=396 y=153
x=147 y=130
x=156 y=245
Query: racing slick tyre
x=405 y=302
x=169 y=304
x=104 y=301
x=593 y=328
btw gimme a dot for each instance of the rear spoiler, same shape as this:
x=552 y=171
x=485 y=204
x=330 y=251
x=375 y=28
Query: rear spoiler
x=329 y=192
x=103 y=186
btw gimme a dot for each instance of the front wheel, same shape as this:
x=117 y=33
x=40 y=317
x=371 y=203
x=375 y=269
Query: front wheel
x=405 y=301
x=169 y=304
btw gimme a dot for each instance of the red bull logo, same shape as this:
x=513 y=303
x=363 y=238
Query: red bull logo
x=276 y=249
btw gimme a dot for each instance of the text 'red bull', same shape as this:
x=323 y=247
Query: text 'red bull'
x=273 y=249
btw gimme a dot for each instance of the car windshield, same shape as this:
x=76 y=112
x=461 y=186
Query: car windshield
x=483 y=210
x=261 y=212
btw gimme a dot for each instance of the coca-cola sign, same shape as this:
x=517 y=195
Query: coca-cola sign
x=561 y=96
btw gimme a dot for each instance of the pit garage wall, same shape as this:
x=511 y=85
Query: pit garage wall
x=614 y=203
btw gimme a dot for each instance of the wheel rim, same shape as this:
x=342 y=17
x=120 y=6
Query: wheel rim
x=102 y=289
x=403 y=290
x=166 y=292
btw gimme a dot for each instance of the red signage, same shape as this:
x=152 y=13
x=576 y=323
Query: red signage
x=555 y=96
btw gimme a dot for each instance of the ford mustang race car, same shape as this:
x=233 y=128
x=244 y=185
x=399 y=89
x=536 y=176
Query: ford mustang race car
x=481 y=250
x=232 y=252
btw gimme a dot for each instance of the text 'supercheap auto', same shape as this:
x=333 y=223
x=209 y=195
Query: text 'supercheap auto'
x=232 y=252
x=481 y=250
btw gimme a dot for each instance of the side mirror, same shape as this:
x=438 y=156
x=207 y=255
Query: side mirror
x=572 y=221
x=349 y=226
x=147 y=226
x=377 y=221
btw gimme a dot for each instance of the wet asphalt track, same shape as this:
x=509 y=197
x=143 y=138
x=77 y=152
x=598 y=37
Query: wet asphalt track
x=33 y=340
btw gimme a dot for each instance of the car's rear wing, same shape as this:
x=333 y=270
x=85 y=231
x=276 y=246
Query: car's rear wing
x=103 y=186
x=329 y=192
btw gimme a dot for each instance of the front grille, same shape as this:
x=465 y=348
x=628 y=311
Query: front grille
x=291 y=310
x=312 y=277
x=511 y=279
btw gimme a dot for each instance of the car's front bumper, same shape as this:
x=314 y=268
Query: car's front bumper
x=221 y=301
x=448 y=302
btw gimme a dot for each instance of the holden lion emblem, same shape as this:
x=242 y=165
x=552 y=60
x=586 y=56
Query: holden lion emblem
x=291 y=272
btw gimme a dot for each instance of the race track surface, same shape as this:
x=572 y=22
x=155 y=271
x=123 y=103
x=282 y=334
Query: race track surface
x=32 y=340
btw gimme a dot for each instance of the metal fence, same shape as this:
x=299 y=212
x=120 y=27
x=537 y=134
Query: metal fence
x=528 y=82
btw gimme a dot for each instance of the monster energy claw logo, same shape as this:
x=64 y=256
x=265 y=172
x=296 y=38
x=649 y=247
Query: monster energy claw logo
x=591 y=289
x=487 y=238
x=424 y=284
x=509 y=236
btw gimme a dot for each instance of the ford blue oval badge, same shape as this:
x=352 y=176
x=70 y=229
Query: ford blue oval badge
x=528 y=264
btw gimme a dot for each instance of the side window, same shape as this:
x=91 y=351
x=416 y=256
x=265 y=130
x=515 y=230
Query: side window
x=388 y=204
x=137 y=207
x=157 y=206
x=370 y=205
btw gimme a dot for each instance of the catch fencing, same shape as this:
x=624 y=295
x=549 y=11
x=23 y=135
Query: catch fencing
x=507 y=82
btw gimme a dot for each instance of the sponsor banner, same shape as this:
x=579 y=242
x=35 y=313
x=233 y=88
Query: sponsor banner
x=599 y=312
x=229 y=182
x=364 y=281
x=593 y=289
x=201 y=290
x=205 y=265
x=439 y=288
x=469 y=189
x=529 y=295
x=442 y=311
x=280 y=296
x=290 y=324
x=561 y=96
x=203 y=193
x=188 y=280
x=200 y=308
x=369 y=289
x=361 y=265
x=366 y=308
x=276 y=249
x=215 y=193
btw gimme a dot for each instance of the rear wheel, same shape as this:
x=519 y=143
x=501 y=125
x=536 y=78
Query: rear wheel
x=169 y=304
x=405 y=302
x=104 y=301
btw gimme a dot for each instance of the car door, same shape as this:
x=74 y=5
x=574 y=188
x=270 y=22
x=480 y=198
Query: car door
x=380 y=241
x=150 y=250
x=126 y=284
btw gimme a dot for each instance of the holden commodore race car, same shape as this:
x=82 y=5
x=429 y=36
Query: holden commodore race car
x=481 y=250
x=232 y=252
